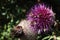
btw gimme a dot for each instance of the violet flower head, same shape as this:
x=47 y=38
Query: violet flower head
x=42 y=17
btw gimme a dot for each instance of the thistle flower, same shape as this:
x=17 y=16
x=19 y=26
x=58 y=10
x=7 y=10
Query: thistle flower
x=39 y=19
x=42 y=18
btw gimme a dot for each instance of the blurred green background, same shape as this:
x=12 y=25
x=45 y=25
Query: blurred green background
x=12 y=11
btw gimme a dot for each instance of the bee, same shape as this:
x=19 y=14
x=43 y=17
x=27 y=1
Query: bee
x=23 y=31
